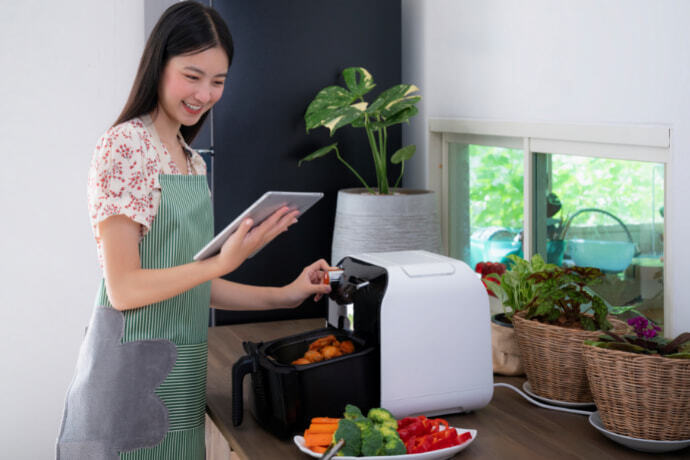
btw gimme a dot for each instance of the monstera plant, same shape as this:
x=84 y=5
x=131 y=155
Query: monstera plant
x=337 y=106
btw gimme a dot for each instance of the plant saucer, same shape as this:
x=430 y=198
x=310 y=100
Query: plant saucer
x=554 y=402
x=643 y=445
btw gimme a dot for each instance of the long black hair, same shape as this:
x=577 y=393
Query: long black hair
x=184 y=28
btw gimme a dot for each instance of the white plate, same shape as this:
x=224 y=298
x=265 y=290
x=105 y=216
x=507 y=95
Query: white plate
x=643 y=445
x=528 y=389
x=440 y=454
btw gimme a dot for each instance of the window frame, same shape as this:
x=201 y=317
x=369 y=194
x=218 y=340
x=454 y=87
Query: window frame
x=649 y=143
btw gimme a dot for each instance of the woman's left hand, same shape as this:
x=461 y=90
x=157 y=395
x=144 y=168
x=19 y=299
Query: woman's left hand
x=309 y=282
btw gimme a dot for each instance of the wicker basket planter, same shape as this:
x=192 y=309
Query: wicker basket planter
x=552 y=358
x=642 y=396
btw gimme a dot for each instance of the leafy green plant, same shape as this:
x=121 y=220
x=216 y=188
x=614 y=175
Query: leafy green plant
x=514 y=288
x=645 y=341
x=335 y=107
x=561 y=298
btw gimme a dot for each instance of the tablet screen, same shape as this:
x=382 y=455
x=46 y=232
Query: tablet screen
x=262 y=208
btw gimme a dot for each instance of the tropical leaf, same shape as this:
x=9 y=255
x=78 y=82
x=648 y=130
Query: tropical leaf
x=336 y=118
x=403 y=154
x=323 y=151
x=394 y=99
x=358 y=87
x=326 y=104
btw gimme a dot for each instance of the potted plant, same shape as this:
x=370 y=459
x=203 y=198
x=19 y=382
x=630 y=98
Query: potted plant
x=641 y=382
x=513 y=290
x=552 y=327
x=382 y=218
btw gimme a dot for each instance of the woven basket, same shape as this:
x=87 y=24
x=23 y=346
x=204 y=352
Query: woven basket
x=641 y=396
x=552 y=358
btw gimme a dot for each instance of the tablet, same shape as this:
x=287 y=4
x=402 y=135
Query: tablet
x=262 y=208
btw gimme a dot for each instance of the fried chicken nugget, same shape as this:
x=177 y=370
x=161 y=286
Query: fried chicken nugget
x=347 y=347
x=313 y=356
x=322 y=342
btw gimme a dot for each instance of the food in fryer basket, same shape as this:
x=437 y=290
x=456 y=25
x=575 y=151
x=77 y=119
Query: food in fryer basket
x=324 y=348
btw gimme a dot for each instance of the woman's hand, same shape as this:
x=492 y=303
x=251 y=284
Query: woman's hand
x=247 y=240
x=309 y=282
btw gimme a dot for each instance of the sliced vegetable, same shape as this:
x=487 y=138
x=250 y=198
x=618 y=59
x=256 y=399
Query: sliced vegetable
x=421 y=434
x=323 y=428
x=317 y=420
x=317 y=439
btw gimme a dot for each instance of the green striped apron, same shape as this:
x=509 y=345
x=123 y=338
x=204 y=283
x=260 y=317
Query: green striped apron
x=183 y=225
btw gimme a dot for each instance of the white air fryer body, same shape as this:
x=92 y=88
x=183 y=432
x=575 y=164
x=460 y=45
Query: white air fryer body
x=435 y=335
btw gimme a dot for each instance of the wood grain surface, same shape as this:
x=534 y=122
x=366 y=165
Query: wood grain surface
x=508 y=428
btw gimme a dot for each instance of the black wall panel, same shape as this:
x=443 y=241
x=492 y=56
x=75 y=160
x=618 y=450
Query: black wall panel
x=285 y=52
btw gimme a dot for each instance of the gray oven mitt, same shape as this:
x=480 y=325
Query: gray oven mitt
x=111 y=405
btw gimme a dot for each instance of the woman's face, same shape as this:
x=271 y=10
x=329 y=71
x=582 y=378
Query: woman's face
x=191 y=84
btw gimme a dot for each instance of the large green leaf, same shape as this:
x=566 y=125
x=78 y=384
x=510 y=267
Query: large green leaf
x=358 y=87
x=400 y=117
x=403 y=154
x=393 y=100
x=323 y=151
x=336 y=118
x=326 y=102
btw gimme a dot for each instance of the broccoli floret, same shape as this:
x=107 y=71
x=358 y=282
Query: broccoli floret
x=352 y=412
x=363 y=423
x=380 y=416
x=372 y=441
x=387 y=432
x=394 y=446
x=349 y=431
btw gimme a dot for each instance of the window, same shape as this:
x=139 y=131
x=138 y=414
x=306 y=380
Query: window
x=577 y=195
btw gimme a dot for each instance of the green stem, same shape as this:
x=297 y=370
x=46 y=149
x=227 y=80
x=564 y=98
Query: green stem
x=382 y=162
x=384 y=156
x=402 y=169
x=374 y=152
x=337 y=154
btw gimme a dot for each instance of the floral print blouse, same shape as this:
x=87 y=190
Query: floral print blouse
x=123 y=177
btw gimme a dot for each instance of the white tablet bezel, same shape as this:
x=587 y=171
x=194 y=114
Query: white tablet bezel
x=262 y=208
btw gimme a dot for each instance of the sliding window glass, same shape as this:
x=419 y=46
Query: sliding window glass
x=486 y=202
x=607 y=214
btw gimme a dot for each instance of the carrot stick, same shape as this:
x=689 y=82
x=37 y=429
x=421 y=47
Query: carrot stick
x=319 y=449
x=323 y=427
x=317 y=439
x=317 y=420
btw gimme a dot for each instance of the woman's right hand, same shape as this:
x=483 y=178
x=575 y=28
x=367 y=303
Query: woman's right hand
x=247 y=240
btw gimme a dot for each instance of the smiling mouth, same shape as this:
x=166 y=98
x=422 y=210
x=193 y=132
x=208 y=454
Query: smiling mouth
x=192 y=108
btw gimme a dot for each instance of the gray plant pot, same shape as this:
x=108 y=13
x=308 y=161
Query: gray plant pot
x=407 y=219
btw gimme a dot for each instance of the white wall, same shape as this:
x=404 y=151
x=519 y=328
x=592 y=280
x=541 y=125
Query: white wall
x=66 y=71
x=584 y=61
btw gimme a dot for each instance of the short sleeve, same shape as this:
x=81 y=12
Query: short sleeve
x=119 y=179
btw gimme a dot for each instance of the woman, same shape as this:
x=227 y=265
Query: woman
x=139 y=388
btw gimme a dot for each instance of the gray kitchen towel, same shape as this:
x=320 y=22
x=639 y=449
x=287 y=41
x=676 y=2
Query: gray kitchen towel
x=111 y=405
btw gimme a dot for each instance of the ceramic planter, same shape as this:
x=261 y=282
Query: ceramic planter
x=406 y=219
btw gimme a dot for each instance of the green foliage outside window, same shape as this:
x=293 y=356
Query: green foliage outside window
x=496 y=197
x=621 y=187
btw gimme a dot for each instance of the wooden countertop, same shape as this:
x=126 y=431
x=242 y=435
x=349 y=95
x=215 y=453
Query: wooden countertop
x=509 y=427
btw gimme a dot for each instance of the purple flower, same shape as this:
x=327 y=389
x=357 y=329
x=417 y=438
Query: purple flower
x=643 y=327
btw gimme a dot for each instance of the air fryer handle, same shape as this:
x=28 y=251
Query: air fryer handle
x=242 y=367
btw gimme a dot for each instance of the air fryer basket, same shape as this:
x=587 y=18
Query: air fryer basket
x=285 y=397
